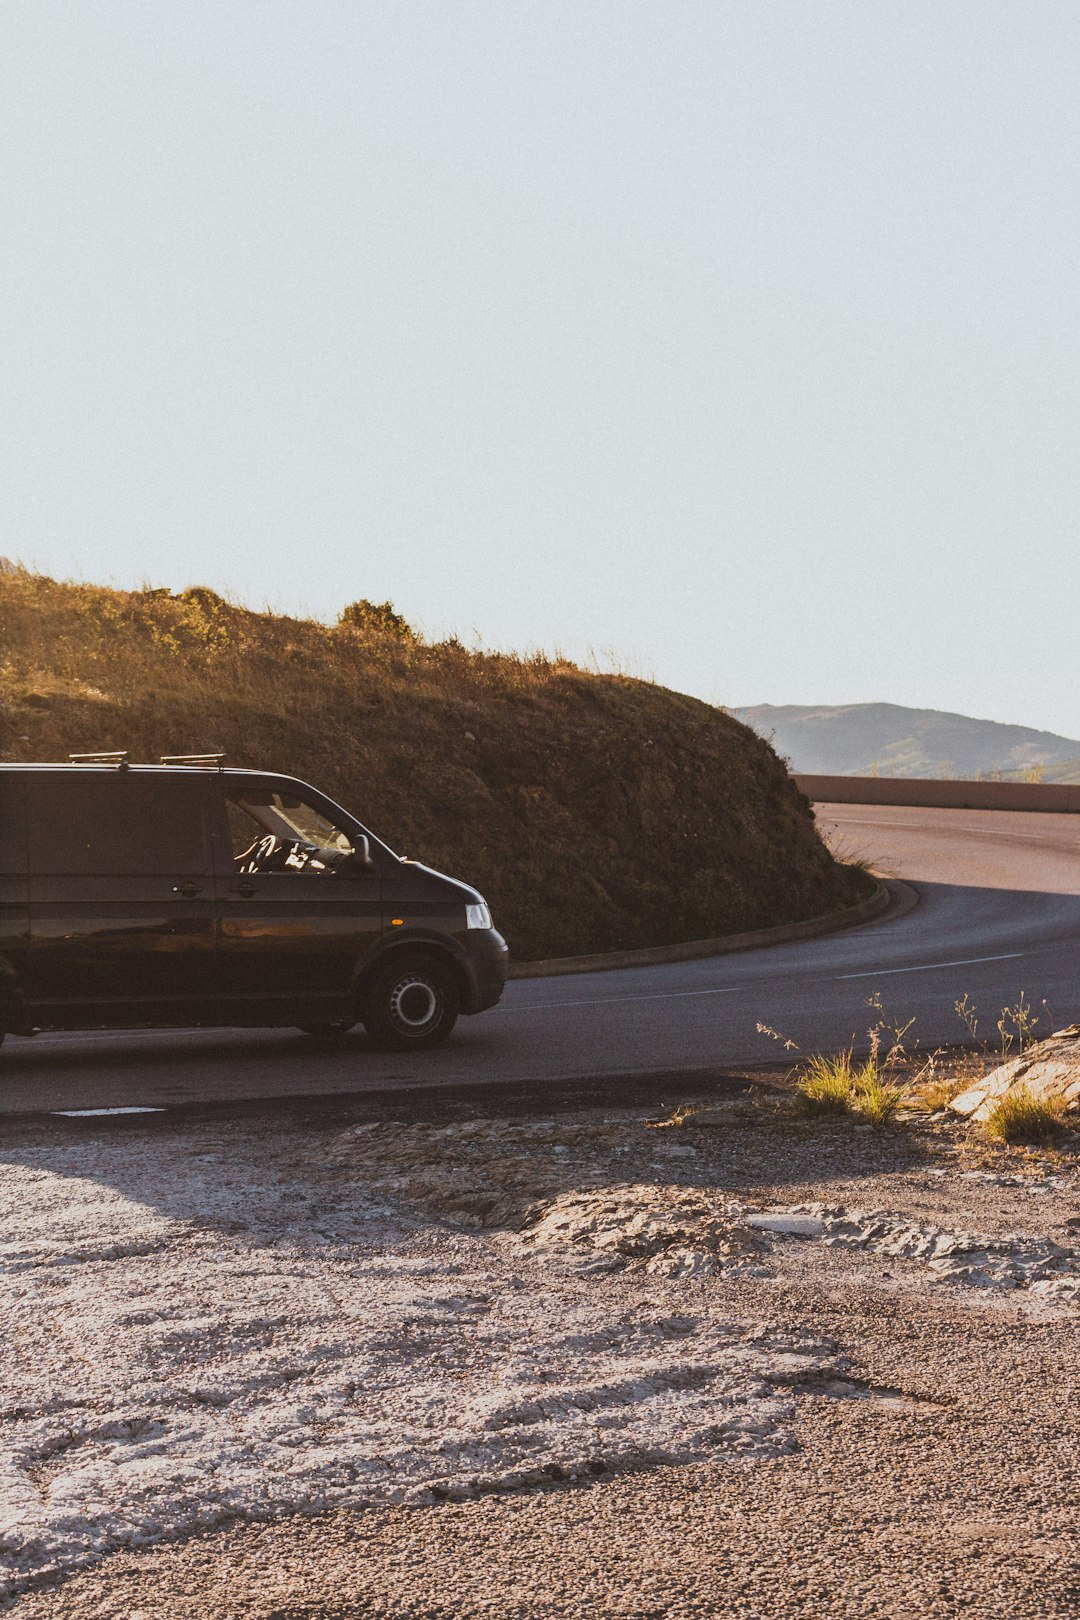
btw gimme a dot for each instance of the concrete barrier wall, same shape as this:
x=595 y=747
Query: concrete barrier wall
x=1052 y=796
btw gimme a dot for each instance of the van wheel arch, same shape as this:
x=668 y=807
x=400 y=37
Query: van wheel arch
x=413 y=947
x=402 y=1015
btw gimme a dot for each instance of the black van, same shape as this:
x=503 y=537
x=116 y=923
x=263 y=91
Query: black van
x=186 y=894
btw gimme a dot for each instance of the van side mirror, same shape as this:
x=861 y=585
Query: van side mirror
x=359 y=863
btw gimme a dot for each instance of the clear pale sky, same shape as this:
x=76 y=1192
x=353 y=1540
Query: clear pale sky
x=736 y=339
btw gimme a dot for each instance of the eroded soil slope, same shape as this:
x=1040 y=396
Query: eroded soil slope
x=594 y=811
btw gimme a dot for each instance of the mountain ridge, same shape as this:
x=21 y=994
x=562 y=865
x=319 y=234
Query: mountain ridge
x=892 y=739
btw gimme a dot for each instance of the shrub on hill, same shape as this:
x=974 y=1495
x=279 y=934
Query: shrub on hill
x=595 y=812
x=376 y=618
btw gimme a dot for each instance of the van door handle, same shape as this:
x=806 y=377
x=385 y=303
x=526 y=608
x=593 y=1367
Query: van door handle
x=188 y=889
x=247 y=889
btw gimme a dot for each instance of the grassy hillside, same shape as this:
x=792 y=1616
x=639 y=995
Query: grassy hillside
x=595 y=812
x=859 y=739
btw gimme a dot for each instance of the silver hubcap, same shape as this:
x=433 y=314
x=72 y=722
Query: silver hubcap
x=413 y=1004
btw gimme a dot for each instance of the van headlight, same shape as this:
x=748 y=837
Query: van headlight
x=478 y=916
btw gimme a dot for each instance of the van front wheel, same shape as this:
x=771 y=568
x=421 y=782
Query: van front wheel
x=410 y=1002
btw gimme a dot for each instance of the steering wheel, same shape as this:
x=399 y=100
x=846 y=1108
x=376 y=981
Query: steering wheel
x=273 y=854
x=268 y=855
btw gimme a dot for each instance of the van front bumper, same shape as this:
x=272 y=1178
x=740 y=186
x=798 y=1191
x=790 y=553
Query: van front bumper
x=486 y=961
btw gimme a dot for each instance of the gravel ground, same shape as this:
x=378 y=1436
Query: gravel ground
x=526 y=1367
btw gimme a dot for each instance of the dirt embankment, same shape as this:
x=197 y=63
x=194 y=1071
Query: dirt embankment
x=594 y=811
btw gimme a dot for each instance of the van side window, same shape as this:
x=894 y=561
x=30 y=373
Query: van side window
x=116 y=825
x=278 y=832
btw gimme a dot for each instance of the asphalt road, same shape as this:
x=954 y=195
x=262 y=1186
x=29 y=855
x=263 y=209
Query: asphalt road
x=997 y=916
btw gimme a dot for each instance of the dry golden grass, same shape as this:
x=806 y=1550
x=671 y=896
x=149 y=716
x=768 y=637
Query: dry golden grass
x=931 y=1096
x=836 y=1084
x=594 y=811
x=1020 y=1116
x=876 y=1099
x=826 y=1088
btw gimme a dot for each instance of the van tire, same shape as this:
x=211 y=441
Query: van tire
x=410 y=1001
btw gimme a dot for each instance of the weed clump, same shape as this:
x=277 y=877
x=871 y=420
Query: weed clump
x=838 y=1085
x=827 y=1086
x=876 y=1100
x=1019 y=1116
x=936 y=1093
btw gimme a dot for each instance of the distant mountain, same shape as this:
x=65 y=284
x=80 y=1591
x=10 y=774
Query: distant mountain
x=886 y=739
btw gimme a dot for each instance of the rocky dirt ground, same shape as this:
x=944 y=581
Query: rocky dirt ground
x=463 y=1365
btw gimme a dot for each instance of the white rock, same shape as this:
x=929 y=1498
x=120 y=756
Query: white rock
x=1051 y=1068
x=804 y=1226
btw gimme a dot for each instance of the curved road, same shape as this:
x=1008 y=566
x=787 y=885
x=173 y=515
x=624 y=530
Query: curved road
x=998 y=914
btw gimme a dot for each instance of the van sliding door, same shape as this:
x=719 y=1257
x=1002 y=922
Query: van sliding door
x=121 y=896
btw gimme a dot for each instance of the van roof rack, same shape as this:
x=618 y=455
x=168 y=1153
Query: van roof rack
x=213 y=761
x=119 y=758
